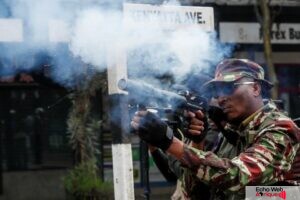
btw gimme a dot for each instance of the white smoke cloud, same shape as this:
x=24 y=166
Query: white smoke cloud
x=36 y=14
x=94 y=28
x=93 y=33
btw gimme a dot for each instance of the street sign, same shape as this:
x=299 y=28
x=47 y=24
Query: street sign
x=251 y=33
x=168 y=16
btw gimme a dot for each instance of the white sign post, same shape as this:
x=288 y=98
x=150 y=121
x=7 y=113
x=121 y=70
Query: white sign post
x=139 y=16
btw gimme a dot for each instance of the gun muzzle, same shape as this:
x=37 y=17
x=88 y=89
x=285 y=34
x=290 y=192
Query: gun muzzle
x=143 y=91
x=122 y=84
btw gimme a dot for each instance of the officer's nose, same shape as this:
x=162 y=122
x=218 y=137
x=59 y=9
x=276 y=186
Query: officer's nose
x=221 y=100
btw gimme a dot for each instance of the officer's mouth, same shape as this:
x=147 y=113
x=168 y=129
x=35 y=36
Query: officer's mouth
x=225 y=108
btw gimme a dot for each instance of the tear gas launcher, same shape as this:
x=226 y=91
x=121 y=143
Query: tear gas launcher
x=168 y=105
x=143 y=93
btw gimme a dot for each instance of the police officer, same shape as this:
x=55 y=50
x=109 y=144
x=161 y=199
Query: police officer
x=260 y=142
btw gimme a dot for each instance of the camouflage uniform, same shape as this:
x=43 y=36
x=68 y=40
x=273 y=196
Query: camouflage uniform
x=198 y=190
x=262 y=153
x=266 y=147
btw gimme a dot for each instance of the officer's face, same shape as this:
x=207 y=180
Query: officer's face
x=237 y=99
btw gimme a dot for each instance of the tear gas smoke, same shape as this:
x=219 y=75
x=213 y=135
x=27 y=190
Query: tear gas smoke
x=94 y=26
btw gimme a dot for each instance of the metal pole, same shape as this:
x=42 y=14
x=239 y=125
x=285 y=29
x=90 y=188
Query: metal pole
x=119 y=121
x=1 y=157
x=145 y=169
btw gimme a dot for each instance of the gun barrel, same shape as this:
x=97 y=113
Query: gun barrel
x=148 y=91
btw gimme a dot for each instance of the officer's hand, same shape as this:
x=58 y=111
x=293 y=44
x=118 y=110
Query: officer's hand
x=217 y=115
x=196 y=129
x=152 y=129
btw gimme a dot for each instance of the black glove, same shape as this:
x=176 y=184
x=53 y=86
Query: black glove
x=155 y=131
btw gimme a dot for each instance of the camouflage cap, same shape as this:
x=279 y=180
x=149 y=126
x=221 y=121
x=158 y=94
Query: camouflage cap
x=230 y=70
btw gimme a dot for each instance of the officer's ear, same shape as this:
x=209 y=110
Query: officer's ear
x=257 y=89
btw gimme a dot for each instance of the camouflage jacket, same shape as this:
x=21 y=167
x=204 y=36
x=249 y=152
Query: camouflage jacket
x=263 y=153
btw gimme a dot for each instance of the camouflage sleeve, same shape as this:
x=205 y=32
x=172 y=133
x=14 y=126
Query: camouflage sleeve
x=192 y=187
x=264 y=163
